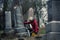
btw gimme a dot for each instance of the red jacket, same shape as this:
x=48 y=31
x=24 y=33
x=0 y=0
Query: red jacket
x=34 y=25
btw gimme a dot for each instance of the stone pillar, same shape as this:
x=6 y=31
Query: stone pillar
x=18 y=19
x=8 y=24
x=49 y=11
x=53 y=25
x=56 y=10
x=53 y=14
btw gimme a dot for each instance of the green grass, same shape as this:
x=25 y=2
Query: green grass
x=42 y=31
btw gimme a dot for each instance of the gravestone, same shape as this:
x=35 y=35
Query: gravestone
x=53 y=36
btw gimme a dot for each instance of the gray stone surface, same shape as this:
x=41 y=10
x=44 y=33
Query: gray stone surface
x=49 y=3
x=8 y=23
x=56 y=10
x=19 y=25
x=44 y=37
x=53 y=36
x=53 y=27
x=53 y=10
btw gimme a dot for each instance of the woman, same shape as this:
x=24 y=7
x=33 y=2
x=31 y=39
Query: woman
x=34 y=24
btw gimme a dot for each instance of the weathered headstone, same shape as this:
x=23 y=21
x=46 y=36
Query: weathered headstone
x=53 y=36
x=19 y=25
x=8 y=24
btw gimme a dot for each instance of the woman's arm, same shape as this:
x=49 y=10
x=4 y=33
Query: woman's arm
x=27 y=22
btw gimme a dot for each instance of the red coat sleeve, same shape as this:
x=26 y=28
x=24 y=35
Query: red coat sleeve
x=36 y=25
